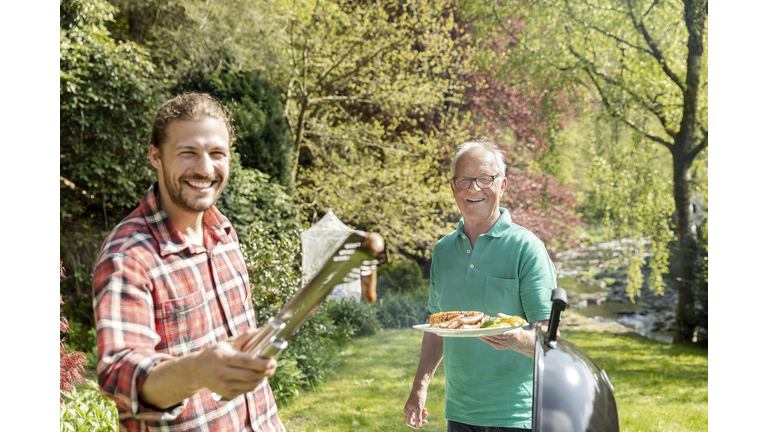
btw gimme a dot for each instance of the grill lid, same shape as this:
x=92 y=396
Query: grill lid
x=570 y=391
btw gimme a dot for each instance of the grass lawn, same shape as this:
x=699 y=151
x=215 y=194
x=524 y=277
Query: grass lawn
x=368 y=390
x=659 y=387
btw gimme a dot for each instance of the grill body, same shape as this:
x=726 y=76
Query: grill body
x=570 y=391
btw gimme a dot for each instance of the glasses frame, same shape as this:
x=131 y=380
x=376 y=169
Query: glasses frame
x=474 y=179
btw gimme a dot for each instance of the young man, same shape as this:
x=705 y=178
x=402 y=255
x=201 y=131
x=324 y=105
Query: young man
x=172 y=300
x=490 y=265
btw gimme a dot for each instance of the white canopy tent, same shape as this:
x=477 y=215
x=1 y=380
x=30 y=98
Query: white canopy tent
x=317 y=245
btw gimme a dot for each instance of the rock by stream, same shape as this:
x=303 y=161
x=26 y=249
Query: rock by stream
x=595 y=279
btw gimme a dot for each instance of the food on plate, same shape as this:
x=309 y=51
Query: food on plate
x=512 y=321
x=458 y=320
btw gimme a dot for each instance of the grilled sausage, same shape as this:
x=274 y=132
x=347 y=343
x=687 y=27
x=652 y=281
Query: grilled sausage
x=457 y=319
x=375 y=243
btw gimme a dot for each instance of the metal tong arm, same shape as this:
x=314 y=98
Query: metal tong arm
x=355 y=256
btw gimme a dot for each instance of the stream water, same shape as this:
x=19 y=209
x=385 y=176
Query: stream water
x=595 y=281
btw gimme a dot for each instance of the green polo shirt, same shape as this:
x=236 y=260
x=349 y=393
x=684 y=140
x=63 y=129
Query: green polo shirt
x=507 y=271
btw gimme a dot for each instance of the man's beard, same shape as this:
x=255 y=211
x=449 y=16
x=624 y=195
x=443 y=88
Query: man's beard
x=189 y=204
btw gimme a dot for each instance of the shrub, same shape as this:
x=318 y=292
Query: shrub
x=249 y=196
x=403 y=309
x=71 y=364
x=83 y=339
x=399 y=276
x=87 y=410
x=357 y=315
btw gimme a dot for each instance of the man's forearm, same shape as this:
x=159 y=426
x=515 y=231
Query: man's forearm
x=170 y=382
x=431 y=355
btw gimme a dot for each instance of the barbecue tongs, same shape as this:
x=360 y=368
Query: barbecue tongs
x=355 y=258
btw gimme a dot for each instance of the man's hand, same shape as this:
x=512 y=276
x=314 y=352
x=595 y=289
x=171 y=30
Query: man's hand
x=224 y=369
x=522 y=341
x=415 y=411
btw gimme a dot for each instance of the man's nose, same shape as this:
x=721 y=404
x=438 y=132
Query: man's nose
x=204 y=165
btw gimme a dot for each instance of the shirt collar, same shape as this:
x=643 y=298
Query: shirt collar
x=497 y=230
x=165 y=232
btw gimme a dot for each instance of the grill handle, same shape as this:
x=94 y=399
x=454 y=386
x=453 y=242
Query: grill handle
x=559 y=302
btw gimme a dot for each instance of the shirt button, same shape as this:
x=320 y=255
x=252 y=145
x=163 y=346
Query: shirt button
x=471 y=266
x=468 y=251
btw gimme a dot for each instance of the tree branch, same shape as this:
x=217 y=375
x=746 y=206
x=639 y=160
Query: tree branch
x=591 y=69
x=526 y=47
x=701 y=146
x=626 y=120
x=656 y=53
x=604 y=32
x=339 y=99
x=362 y=63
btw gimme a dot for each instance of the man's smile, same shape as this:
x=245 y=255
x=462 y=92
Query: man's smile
x=200 y=185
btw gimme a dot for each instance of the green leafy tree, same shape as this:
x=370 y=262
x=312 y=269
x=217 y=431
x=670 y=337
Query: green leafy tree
x=644 y=62
x=108 y=93
x=263 y=137
x=634 y=200
x=187 y=35
x=362 y=84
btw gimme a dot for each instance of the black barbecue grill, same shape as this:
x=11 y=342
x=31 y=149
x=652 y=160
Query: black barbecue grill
x=570 y=391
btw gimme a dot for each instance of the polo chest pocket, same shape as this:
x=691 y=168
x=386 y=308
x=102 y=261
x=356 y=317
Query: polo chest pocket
x=502 y=296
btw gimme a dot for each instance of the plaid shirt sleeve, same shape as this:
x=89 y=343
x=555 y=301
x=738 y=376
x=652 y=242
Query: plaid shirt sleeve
x=126 y=335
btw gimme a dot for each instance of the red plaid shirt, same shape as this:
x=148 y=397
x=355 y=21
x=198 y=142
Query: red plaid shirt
x=156 y=296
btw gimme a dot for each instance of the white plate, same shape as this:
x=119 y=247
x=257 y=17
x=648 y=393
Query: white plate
x=463 y=332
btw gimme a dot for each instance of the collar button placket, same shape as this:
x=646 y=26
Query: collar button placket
x=228 y=317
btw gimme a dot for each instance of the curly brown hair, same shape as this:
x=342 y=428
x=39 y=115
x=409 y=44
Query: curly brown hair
x=190 y=106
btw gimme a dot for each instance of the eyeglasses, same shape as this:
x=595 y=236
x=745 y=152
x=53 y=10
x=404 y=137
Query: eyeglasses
x=466 y=182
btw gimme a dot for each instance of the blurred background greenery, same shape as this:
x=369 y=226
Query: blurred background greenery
x=600 y=107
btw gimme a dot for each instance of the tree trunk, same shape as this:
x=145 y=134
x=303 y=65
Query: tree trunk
x=689 y=251
x=683 y=154
x=299 y=138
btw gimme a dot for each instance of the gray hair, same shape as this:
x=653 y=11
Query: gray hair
x=498 y=156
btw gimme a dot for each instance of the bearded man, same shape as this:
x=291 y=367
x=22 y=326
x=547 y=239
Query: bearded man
x=172 y=300
x=494 y=266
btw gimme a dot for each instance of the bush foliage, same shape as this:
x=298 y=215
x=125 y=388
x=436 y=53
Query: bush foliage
x=249 y=196
x=399 y=276
x=86 y=410
x=71 y=363
x=108 y=93
x=263 y=136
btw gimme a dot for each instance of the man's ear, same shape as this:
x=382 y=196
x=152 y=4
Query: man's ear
x=503 y=186
x=154 y=156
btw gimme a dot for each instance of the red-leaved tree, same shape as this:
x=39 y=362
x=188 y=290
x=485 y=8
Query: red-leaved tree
x=536 y=199
x=71 y=364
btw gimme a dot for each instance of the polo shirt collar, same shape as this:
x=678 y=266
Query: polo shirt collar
x=169 y=238
x=497 y=230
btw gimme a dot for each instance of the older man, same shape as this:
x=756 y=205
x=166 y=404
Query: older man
x=488 y=264
x=171 y=294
